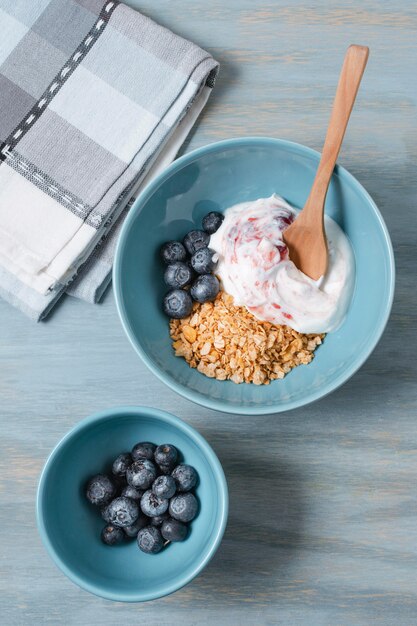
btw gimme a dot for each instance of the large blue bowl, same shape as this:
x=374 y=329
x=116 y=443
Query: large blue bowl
x=213 y=178
x=70 y=527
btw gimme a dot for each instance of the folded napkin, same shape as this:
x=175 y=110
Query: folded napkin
x=95 y=99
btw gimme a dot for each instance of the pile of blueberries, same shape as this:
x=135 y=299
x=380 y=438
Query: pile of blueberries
x=189 y=269
x=148 y=497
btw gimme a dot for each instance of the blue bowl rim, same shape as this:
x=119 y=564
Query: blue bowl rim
x=207 y=451
x=169 y=380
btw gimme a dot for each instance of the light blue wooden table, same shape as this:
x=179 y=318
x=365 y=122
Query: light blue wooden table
x=338 y=544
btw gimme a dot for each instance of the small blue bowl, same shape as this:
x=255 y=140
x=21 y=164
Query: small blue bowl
x=213 y=178
x=70 y=527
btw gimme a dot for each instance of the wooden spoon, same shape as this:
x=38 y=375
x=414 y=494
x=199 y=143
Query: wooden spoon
x=306 y=237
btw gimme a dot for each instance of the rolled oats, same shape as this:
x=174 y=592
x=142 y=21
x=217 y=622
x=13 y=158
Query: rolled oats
x=226 y=342
x=189 y=333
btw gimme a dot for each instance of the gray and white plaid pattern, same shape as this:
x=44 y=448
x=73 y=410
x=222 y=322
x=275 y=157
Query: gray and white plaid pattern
x=91 y=94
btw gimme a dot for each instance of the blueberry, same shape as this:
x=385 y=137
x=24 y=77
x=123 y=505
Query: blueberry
x=132 y=493
x=152 y=504
x=141 y=474
x=177 y=304
x=166 y=469
x=173 y=530
x=166 y=455
x=121 y=512
x=121 y=463
x=105 y=514
x=205 y=288
x=173 y=251
x=100 y=490
x=196 y=239
x=164 y=487
x=185 y=477
x=178 y=275
x=158 y=520
x=212 y=222
x=112 y=535
x=202 y=261
x=141 y=522
x=150 y=540
x=143 y=450
x=183 y=507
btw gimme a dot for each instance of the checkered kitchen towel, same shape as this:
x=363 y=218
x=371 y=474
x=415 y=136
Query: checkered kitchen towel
x=94 y=97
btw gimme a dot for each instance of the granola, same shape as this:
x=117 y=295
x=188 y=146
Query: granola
x=226 y=342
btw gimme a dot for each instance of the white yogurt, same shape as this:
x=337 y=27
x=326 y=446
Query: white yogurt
x=254 y=268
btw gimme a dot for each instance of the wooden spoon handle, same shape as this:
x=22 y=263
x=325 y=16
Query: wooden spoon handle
x=347 y=88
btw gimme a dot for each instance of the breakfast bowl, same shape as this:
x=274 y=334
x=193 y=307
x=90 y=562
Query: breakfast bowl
x=214 y=178
x=70 y=526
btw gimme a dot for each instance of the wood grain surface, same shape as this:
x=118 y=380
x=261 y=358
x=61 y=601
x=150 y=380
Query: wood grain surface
x=322 y=527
